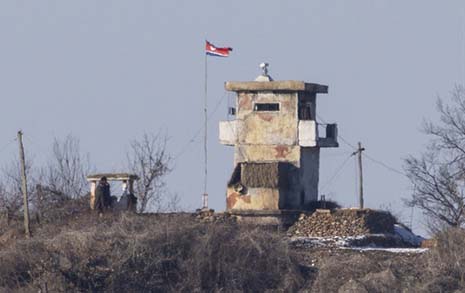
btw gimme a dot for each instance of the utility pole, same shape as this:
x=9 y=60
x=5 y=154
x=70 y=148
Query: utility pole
x=360 y=172
x=24 y=184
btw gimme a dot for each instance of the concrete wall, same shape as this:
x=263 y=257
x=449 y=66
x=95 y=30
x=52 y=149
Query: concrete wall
x=267 y=153
x=228 y=132
x=309 y=173
x=267 y=128
x=308 y=133
x=268 y=136
x=254 y=199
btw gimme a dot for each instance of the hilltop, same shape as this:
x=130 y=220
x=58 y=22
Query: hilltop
x=180 y=252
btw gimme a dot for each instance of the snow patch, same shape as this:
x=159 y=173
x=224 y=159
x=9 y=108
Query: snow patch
x=332 y=241
x=393 y=250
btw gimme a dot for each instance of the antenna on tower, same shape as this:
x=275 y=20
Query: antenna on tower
x=264 y=67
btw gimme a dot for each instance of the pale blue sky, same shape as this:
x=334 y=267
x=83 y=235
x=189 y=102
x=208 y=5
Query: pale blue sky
x=107 y=71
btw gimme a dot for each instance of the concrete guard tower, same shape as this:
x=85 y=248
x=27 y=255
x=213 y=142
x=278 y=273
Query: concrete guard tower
x=276 y=144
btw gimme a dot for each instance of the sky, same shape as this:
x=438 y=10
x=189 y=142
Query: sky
x=109 y=71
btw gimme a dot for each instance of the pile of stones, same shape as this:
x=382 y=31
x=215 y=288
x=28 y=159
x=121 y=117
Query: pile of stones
x=209 y=216
x=343 y=223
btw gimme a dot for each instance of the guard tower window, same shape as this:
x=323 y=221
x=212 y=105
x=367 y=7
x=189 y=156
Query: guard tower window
x=305 y=111
x=268 y=107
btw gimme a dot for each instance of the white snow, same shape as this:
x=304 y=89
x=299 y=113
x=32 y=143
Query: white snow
x=335 y=241
x=348 y=242
x=393 y=250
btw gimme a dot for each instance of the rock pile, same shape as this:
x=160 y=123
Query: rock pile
x=209 y=216
x=342 y=222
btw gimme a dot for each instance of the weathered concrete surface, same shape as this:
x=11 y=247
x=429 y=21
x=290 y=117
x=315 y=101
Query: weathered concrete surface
x=267 y=127
x=275 y=123
x=254 y=199
x=266 y=153
x=308 y=133
x=229 y=132
x=283 y=85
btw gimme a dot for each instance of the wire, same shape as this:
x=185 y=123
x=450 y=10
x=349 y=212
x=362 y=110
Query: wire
x=339 y=135
x=42 y=152
x=336 y=173
x=197 y=133
x=384 y=165
x=324 y=155
x=366 y=155
x=3 y=148
x=346 y=142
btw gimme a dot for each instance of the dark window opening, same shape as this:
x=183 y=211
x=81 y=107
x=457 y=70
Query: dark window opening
x=305 y=111
x=266 y=107
x=331 y=131
x=232 y=111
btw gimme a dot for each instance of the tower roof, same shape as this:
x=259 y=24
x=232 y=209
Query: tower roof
x=281 y=85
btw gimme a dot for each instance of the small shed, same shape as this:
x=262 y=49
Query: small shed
x=127 y=180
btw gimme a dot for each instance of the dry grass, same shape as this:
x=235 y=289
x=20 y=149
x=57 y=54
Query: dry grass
x=127 y=252
x=260 y=175
x=82 y=252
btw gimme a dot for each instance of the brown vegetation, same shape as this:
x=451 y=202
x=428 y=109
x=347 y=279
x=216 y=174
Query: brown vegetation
x=142 y=253
x=82 y=252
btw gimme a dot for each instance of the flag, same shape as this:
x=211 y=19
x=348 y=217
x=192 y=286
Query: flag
x=212 y=50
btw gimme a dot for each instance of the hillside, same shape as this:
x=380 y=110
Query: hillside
x=179 y=252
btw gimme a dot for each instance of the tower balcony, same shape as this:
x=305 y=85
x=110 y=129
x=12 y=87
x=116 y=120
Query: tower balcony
x=308 y=131
x=229 y=132
x=309 y=134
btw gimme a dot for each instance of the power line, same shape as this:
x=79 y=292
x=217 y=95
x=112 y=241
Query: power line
x=335 y=154
x=3 y=148
x=384 y=165
x=197 y=133
x=339 y=136
x=346 y=142
x=336 y=173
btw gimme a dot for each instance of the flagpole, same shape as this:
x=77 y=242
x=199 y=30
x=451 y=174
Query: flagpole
x=205 y=194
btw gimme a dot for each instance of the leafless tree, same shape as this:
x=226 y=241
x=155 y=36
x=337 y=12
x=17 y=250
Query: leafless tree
x=438 y=175
x=10 y=204
x=68 y=167
x=11 y=200
x=148 y=158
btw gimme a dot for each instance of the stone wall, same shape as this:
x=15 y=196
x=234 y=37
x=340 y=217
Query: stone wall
x=343 y=222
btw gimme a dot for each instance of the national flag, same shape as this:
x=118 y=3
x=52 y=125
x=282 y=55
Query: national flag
x=212 y=50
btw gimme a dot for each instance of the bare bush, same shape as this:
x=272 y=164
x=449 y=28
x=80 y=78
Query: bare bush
x=11 y=198
x=10 y=205
x=149 y=159
x=445 y=271
x=68 y=168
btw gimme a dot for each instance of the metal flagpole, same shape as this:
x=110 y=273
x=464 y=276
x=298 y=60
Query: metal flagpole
x=205 y=194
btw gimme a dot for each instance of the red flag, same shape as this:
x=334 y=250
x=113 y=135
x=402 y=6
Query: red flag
x=212 y=50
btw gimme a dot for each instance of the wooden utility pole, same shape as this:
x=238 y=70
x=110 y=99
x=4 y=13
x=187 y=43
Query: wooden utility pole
x=24 y=184
x=360 y=172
